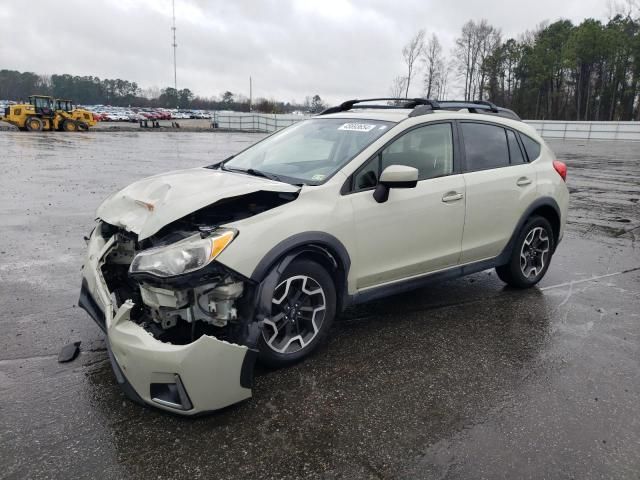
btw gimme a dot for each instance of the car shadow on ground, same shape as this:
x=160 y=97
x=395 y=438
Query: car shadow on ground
x=415 y=368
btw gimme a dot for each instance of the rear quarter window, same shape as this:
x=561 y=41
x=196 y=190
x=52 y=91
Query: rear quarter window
x=531 y=147
x=514 y=149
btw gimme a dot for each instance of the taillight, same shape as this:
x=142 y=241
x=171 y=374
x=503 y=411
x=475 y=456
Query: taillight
x=561 y=168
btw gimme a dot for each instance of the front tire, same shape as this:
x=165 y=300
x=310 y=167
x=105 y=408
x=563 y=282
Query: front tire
x=530 y=256
x=302 y=311
x=34 y=124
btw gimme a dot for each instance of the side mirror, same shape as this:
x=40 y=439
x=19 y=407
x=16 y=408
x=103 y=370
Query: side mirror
x=395 y=176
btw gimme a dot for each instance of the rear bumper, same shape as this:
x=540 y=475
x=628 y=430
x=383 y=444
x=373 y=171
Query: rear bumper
x=206 y=375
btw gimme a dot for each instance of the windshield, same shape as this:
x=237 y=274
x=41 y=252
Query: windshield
x=309 y=151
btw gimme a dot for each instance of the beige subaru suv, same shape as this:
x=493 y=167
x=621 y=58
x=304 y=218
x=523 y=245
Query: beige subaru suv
x=195 y=274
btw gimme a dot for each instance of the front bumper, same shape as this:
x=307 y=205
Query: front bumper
x=202 y=376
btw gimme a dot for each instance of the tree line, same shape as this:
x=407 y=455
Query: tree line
x=89 y=90
x=559 y=71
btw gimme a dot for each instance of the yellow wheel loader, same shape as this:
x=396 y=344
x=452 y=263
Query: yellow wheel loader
x=81 y=117
x=45 y=113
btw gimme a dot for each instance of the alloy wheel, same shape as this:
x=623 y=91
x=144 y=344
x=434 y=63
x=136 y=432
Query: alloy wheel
x=534 y=253
x=297 y=312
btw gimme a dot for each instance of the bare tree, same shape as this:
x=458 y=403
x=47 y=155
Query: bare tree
x=465 y=53
x=398 y=87
x=529 y=37
x=45 y=81
x=476 y=42
x=151 y=92
x=434 y=63
x=317 y=105
x=489 y=41
x=442 y=85
x=411 y=52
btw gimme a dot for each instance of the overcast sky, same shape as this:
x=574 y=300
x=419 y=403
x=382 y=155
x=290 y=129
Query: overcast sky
x=292 y=48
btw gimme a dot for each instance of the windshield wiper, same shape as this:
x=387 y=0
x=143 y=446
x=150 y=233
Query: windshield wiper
x=260 y=173
x=254 y=172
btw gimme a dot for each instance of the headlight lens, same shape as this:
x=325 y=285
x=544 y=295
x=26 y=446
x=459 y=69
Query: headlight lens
x=184 y=256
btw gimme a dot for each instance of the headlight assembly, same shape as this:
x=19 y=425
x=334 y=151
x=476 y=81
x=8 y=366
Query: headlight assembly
x=182 y=257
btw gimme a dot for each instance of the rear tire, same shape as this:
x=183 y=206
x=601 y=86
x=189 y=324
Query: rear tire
x=83 y=127
x=34 y=124
x=302 y=311
x=531 y=254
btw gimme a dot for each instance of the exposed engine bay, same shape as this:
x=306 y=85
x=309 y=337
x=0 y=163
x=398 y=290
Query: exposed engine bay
x=177 y=314
x=212 y=301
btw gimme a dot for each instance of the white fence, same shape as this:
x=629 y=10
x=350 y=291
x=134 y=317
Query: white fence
x=587 y=130
x=253 y=122
x=260 y=122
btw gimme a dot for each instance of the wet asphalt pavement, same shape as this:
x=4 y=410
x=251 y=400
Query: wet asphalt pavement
x=465 y=379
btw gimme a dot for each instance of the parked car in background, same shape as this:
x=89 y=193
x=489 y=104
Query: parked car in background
x=136 y=117
x=199 y=114
x=109 y=113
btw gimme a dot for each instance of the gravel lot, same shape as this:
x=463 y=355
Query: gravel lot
x=465 y=379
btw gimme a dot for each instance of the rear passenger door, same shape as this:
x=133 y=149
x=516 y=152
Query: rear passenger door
x=500 y=185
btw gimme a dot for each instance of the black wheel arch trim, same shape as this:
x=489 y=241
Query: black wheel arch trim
x=313 y=241
x=299 y=240
x=503 y=258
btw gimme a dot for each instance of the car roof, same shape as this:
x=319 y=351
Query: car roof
x=397 y=115
x=387 y=115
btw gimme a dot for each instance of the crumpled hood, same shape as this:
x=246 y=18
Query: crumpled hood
x=145 y=206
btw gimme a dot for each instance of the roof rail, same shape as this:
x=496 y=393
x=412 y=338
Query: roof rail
x=479 y=106
x=471 y=104
x=422 y=106
x=406 y=103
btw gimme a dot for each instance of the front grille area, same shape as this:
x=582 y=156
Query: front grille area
x=109 y=230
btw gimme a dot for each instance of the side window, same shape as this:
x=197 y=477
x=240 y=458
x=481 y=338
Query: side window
x=514 y=149
x=428 y=148
x=531 y=147
x=485 y=146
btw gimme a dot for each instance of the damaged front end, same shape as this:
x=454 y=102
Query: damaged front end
x=185 y=344
x=182 y=329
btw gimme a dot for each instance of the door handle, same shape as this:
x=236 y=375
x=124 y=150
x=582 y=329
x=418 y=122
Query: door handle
x=452 y=197
x=523 y=181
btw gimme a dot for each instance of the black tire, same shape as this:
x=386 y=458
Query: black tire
x=69 y=126
x=34 y=124
x=83 y=127
x=276 y=333
x=529 y=263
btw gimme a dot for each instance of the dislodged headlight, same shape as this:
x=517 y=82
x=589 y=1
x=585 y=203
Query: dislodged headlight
x=182 y=257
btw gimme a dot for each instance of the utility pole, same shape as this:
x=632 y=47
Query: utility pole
x=250 y=93
x=174 y=45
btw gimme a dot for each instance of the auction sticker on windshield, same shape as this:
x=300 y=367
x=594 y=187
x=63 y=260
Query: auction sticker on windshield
x=357 y=127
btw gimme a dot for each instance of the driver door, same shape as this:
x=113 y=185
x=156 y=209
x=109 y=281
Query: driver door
x=417 y=230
